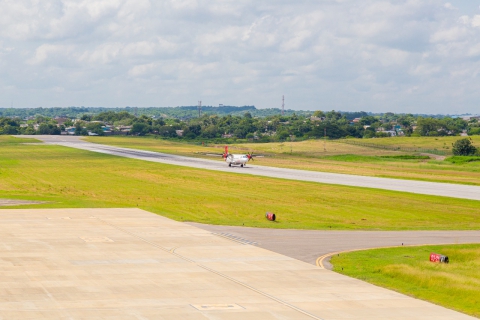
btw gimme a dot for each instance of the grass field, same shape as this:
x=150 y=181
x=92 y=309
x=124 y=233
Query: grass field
x=75 y=178
x=438 y=143
x=339 y=157
x=409 y=271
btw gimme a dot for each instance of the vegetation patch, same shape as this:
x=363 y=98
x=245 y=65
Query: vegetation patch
x=409 y=271
x=10 y=140
x=462 y=159
x=352 y=158
x=406 y=157
x=360 y=158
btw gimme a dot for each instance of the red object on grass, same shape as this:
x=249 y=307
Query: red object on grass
x=270 y=216
x=435 y=257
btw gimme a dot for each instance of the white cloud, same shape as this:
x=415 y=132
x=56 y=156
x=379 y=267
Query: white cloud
x=348 y=54
x=476 y=21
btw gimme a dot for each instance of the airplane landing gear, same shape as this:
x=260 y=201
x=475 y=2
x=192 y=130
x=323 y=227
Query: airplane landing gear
x=241 y=165
x=229 y=164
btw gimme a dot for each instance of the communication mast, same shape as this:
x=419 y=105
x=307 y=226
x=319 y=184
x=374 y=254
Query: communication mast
x=199 y=109
x=283 y=105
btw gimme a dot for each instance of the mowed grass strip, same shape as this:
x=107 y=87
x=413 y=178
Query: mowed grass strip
x=409 y=271
x=68 y=177
x=339 y=157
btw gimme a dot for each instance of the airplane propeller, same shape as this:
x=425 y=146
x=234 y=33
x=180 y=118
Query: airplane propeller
x=250 y=156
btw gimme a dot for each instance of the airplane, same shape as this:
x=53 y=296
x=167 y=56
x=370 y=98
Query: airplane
x=236 y=159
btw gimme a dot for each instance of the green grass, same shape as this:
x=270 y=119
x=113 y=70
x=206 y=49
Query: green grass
x=409 y=271
x=462 y=159
x=406 y=157
x=361 y=158
x=439 y=143
x=69 y=177
x=10 y=140
x=338 y=157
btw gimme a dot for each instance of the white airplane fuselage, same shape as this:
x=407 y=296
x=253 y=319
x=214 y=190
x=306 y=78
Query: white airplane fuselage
x=236 y=159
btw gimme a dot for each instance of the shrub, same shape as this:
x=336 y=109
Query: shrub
x=463 y=147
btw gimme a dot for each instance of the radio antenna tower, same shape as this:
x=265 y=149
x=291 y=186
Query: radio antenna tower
x=199 y=109
x=283 y=105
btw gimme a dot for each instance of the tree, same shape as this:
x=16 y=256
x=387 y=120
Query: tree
x=368 y=120
x=319 y=114
x=464 y=147
x=428 y=126
x=140 y=128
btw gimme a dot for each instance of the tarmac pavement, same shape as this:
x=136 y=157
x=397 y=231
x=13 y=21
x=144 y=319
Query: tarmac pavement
x=132 y=264
x=308 y=245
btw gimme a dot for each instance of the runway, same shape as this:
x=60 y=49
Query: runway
x=411 y=186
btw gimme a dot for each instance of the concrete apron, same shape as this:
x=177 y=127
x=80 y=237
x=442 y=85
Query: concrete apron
x=129 y=263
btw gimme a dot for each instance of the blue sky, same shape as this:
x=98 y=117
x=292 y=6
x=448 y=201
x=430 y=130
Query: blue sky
x=466 y=6
x=384 y=55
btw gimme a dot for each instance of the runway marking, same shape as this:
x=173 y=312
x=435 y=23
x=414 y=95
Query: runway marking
x=230 y=236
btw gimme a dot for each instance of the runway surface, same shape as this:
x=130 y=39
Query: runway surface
x=419 y=187
x=308 y=245
x=132 y=264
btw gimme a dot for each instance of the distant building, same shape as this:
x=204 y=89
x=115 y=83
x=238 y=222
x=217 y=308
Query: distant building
x=124 y=129
x=391 y=133
x=107 y=129
x=60 y=120
x=69 y=130
x=179 y=133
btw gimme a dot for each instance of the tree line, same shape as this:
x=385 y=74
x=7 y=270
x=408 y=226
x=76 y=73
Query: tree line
x=332 y=124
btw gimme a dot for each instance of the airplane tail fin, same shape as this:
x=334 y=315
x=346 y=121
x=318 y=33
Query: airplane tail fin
x=225 y=153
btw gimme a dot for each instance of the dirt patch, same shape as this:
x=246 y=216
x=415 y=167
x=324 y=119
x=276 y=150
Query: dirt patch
x=11 y=202
x=434 y=156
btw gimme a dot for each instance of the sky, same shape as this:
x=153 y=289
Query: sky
x=418 y=56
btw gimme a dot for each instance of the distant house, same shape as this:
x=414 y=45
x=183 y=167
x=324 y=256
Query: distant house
x=392 y=133
x=124 y=129
x=179 y=133
x=313 y=118
x=107 y=129
x=69 y=131
x=227 y=135
x=61 y=120
x=356 y=120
